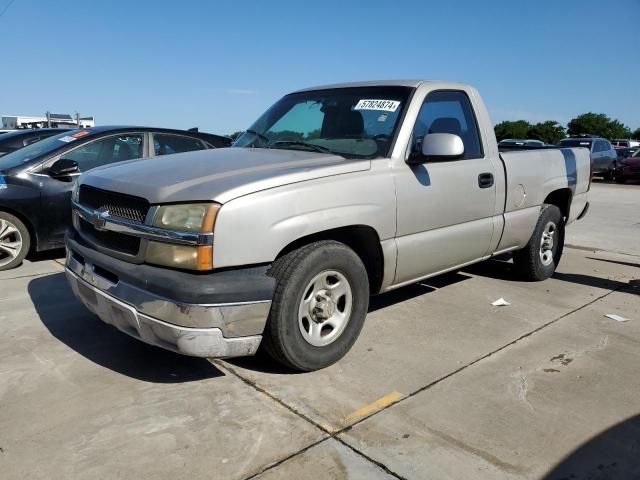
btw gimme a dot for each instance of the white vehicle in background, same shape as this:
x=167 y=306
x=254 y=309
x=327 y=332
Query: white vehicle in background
x=622 y=143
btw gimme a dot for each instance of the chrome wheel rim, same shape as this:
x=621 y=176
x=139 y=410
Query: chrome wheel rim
x=10 y=242
x=546 y=243
x=325 y=308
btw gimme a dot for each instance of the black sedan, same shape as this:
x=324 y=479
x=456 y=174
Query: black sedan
x=17 y=139
x=36 y=181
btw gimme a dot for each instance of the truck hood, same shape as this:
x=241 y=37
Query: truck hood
x=218 y=174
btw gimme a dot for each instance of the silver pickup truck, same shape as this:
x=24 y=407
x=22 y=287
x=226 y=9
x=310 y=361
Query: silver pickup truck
x=334 y=194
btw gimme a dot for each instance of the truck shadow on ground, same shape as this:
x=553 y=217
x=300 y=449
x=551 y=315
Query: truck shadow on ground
x=503 y=270
x=611 y=454
x=72 y=324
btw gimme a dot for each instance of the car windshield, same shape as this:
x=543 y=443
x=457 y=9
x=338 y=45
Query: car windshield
x=636 y=153
x=43 y=147
x=576 y=143
x=355 y=122
x=624 y=152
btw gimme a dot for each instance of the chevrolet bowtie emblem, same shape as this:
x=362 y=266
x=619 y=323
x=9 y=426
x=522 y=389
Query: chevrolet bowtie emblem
x=99 y=219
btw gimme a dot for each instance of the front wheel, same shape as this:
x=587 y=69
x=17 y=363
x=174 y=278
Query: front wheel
x=539 y=259
x=319 y=307
x=14 y=241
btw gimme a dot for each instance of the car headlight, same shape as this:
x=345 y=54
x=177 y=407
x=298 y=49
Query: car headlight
x=195 y=217
x=192 y=217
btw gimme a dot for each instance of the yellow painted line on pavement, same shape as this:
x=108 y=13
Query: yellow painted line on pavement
x=379 y=404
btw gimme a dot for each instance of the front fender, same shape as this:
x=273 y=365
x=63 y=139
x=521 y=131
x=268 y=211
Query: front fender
x=255 y=228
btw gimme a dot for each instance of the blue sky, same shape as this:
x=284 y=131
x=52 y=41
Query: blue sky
x=218 y=65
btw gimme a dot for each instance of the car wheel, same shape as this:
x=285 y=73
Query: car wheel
x=539 y=259
x=14 y=241
x=613 y=172
x=319 y=306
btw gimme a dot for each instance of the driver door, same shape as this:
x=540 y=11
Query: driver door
x=56 y=191
x=445 y=208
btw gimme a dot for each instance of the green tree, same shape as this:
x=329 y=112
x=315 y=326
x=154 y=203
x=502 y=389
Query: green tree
x=549 y=132
x=598 y=124
x=313 y=134
x=284 y=135
x=636 y=134
x=509 y=129
x=234 y=136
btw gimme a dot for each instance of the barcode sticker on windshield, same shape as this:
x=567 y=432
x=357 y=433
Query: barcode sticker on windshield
x=381 y=105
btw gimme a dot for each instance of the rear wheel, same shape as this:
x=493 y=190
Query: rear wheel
x=319 y=307
x=539 y=259
x=14 y=241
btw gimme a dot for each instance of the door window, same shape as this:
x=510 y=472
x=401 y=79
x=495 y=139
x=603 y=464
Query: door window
x=448 y=112
x=116 y=148
x=164 y=144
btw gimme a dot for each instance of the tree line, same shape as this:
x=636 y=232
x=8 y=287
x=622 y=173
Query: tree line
x=552 y=132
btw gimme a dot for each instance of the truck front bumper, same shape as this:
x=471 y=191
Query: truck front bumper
x=208 y=329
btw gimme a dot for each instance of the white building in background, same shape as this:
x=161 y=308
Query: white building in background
x=56 y=120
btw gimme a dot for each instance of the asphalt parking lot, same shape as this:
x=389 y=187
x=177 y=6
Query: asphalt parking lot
x=441 y=384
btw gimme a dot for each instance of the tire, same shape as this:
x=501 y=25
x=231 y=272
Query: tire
x=319 y=306
x=15 y=241
x=620 y=179
x=536 y=261
x=613 y=172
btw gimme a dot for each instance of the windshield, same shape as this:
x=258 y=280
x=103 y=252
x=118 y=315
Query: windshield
x=576 y=143
x=636 y=153
x=356 y=122
x=43 y=147
x=624 y=152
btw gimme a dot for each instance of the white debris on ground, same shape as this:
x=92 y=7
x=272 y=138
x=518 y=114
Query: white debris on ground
x=501 y=302
x=617 y=318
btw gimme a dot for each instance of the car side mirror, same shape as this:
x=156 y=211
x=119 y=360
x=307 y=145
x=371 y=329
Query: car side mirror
x=437 y=147
x=63 y=167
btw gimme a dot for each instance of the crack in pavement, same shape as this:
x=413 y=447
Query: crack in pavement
x=330 y=433
x=335 y=433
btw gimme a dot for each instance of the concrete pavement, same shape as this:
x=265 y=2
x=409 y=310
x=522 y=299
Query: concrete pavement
x=441 y=384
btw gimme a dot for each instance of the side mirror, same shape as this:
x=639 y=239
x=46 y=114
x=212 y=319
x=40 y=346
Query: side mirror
x=439 y=147
x=63 y=167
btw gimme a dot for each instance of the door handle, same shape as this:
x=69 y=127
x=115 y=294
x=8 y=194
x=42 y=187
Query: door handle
x=485 y=180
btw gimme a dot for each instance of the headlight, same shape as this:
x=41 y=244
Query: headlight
x=195 y=217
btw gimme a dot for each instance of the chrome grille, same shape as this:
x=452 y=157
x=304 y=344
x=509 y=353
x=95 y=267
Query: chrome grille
x=119 y=205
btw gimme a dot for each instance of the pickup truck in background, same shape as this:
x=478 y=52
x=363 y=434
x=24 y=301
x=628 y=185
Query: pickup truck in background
x=334 y=194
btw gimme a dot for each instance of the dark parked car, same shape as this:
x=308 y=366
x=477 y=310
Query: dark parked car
x=603 y=155
x=629 y=167
x=36 y=181
x=625 y=152
x=17 y=139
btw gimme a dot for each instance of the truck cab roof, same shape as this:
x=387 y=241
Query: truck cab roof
x=382 y=83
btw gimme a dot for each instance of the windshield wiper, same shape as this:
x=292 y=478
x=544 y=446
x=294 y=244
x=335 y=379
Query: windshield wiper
x=312 y=146
x=261 y=136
